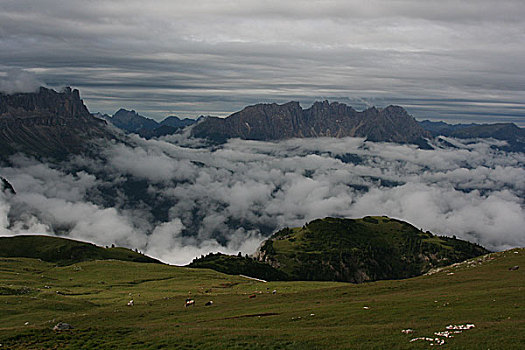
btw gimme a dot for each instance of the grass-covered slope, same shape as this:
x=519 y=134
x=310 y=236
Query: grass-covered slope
x=92 y=297
x=358 y=250
x=64 y=251
x=239 y=265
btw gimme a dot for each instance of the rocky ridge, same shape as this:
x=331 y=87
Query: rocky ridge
x=278 y=122
x=47 y=123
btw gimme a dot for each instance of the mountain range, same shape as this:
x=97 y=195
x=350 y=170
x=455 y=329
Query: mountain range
x=509 y=132
x=132 y=122
x=278 y=122
x=269 y=122
x=55 y=124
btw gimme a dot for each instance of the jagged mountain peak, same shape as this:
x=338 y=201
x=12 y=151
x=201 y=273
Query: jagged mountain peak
x=47 y=123
x=288 y=120
x=125 y=111
x=66 y=103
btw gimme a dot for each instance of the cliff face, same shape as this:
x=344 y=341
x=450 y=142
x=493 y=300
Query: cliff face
x=47 y=123
x=45 y=102
x=277 y=122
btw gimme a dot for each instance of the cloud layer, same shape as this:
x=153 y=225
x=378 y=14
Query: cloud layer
x=17 y=80
x=449 y=59
x=176 y=198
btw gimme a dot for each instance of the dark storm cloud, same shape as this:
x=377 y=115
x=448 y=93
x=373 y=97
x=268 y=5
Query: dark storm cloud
x=210 y=57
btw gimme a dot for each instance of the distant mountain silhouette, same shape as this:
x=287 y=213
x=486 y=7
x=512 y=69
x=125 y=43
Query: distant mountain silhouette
x=278 y=122
x=514 y=135
x=176 y=122
x=132 y=122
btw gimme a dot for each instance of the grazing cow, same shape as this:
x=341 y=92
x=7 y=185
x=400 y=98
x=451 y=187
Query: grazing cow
x=130 y=303
x=209 y=303
x=190 y=302
x=252 y=296
x=514 y=268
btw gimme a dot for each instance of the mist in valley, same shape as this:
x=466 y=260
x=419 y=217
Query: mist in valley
x=176 y=198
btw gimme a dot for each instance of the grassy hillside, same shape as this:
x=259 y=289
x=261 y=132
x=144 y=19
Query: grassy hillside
x=358 y=250
x=64 y=251
x=92 y=297
x=239 y=265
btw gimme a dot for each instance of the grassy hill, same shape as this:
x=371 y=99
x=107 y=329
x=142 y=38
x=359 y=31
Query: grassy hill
x=239 y=265
x=63 y=251
x=92 y=296
x=358 y=250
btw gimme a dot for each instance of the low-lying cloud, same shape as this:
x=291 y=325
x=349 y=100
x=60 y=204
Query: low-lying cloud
x=17 y=80
x=176 y=199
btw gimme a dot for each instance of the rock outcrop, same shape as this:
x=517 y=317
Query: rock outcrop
x=5 y=186
x=278 y=122
x=47 y=123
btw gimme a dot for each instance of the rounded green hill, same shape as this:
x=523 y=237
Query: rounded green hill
x=63 y=251
x=359 y=250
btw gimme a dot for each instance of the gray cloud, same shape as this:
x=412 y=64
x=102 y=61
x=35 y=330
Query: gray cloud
x=18 y=80
x=176 y=199
x=451 y=60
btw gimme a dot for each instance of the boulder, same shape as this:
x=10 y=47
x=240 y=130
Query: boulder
x=62 y=326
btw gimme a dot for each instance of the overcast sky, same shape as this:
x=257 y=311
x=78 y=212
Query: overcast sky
x=450 y=60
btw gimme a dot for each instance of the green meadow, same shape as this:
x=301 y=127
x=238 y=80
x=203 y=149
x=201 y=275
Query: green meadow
x=92 y=296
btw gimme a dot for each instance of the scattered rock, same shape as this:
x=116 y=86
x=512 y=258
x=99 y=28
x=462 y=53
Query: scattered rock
x=433 y=341
x=461 y=326
x=451 y=329
x=445 y=334
x=62 y=326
